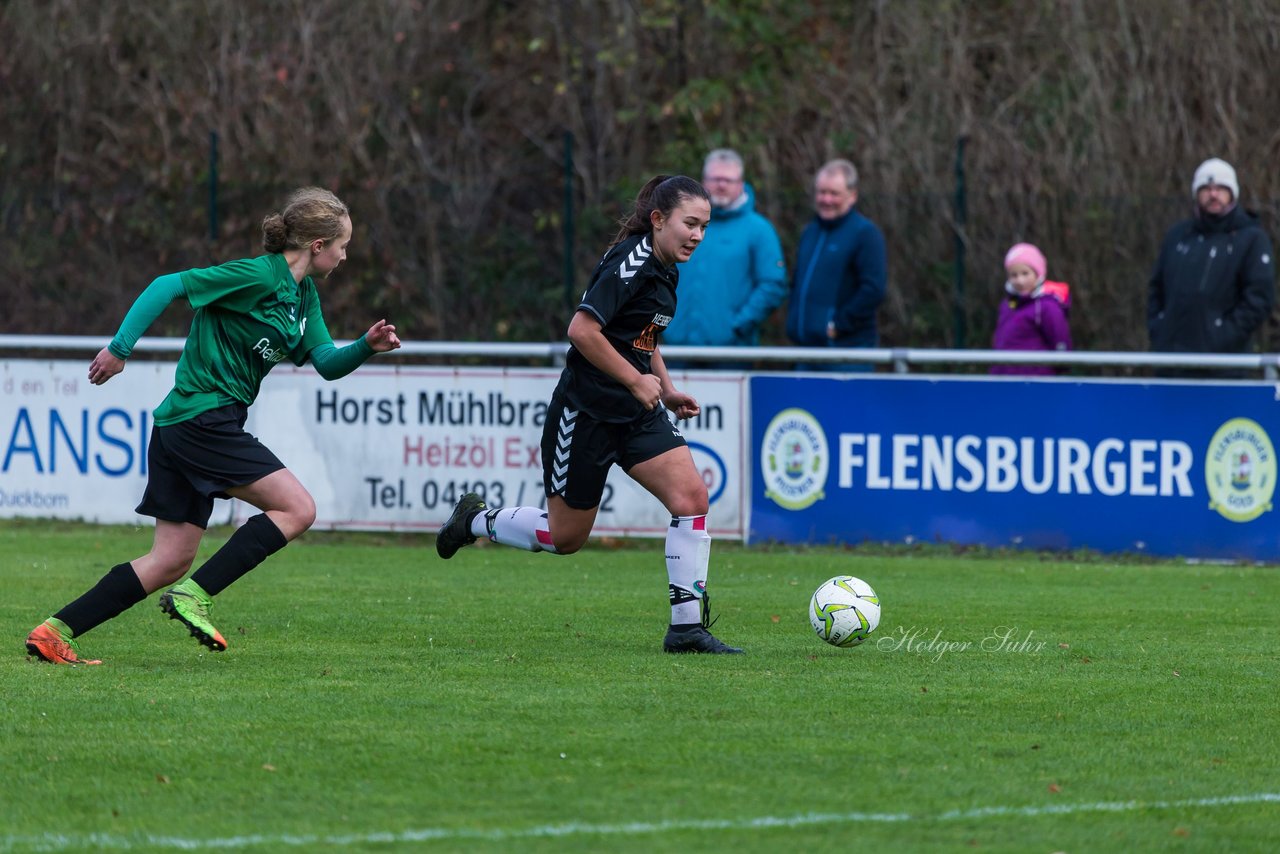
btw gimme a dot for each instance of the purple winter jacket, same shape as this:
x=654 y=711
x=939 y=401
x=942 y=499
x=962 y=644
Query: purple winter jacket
x=1036 y=321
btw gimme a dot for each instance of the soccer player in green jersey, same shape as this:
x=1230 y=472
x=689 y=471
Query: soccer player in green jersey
x=249 y=315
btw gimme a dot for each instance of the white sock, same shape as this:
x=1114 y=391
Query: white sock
x=688 y=553
x=522 y=527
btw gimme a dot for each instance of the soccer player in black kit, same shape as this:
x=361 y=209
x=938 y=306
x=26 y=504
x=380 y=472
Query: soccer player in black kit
x=610 y=407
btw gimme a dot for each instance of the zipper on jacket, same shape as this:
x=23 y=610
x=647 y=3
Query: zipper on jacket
x=1204 y=276
x=808 y=275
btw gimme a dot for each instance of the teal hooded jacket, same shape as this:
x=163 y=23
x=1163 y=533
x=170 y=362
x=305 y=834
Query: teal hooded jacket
x=732 y=282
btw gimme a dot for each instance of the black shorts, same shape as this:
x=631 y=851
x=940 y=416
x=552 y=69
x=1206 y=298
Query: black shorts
x=578 y=450
x=193 y=462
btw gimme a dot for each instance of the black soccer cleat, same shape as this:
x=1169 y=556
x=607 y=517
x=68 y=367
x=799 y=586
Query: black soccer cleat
x=456 y=533
x=695 y=639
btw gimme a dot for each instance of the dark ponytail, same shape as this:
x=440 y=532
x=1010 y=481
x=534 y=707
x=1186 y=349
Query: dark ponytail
x=662 y=193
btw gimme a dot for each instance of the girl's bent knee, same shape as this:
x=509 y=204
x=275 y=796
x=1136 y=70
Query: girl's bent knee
x=690 y=505
x=568 y=547
x=301 y=518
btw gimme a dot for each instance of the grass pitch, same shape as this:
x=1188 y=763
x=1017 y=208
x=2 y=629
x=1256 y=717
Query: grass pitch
x=375 y=698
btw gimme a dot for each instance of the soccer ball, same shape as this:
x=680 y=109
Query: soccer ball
x=844 y=610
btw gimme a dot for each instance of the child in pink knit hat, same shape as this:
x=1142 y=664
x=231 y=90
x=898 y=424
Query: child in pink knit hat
x=1033 y=313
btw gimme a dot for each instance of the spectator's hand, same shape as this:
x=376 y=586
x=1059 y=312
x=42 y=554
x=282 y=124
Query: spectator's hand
x=104 y=366
x=831 y=330
x=647 y=389
x=683 y=405
x=382 y=337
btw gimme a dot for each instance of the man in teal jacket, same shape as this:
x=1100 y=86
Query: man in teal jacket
x=738 y=276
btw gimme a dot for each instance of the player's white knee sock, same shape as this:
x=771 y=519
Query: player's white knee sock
x=522 y=527
x=688 y=553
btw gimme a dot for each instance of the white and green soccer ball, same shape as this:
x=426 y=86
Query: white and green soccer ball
x=844 y=610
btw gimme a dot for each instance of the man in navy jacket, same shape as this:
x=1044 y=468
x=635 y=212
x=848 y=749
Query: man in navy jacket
x=840 y=271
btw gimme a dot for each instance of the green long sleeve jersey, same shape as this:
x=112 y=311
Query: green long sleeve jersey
x=249 y=315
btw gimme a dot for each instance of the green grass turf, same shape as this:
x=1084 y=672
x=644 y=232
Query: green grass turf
x=375 y=698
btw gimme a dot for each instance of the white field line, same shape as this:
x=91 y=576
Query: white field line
x=106 y=841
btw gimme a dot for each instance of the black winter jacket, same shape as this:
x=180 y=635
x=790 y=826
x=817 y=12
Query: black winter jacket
x=1213 y=285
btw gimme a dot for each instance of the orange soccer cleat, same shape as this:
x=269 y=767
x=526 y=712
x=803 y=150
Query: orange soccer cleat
x=51 y=641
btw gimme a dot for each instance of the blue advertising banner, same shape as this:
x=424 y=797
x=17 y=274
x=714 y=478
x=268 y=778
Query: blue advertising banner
x=1165 y=468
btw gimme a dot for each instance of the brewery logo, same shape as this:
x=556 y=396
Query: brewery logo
x=794 y=459
x=1240 y=470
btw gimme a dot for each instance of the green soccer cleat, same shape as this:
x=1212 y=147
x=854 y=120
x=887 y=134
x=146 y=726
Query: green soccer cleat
x=456 y=533
x=51 y=641
x=188 y=603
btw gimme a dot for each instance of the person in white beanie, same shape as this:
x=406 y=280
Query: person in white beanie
x=1214 y=281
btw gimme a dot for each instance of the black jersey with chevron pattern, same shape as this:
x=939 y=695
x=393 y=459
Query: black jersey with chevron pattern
x=633 y=295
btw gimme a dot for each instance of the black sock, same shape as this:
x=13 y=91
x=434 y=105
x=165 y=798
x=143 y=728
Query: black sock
x=249 y=546
x=117 y=591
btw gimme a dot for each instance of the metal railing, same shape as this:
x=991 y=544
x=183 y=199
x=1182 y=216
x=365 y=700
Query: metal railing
x=902 y=359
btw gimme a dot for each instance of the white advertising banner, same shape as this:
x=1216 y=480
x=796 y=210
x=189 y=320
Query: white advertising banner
x=386 y=448
x=394 y=447
x=72 y=450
